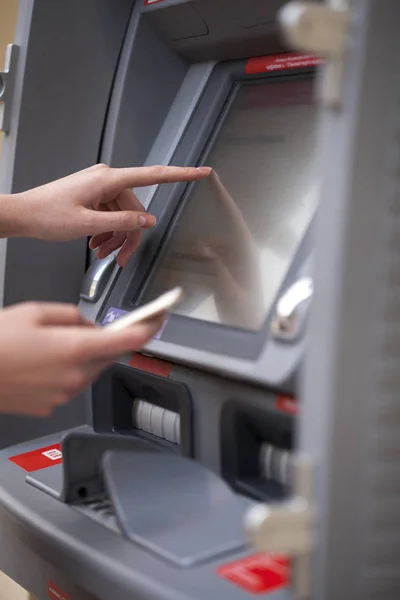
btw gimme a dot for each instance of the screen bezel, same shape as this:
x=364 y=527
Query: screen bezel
x=170 y=200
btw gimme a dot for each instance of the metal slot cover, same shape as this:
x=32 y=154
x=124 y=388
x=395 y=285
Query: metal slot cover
x=179 y=510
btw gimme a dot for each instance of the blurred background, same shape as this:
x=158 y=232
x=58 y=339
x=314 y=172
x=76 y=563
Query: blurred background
x=8 y=19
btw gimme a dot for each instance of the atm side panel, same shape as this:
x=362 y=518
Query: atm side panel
x=68 y=55
x=351 y=415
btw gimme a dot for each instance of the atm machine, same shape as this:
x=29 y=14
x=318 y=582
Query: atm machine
x=213 y=468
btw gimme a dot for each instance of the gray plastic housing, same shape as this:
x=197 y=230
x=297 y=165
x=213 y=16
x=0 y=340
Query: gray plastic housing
x=223 y=422
x=105 y=550
x=182 y=120
x=255 y=356
x=181 y=511
x=351 y=411
x=177 y=509
x=224 y=30
x=211 y=389
x=81 y=553
x=350 y=419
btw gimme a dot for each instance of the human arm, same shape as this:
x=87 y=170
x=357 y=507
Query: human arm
x=49 y=353
x=97 y=202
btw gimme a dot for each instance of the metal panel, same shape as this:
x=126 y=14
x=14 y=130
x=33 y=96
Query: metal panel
x=351 y=414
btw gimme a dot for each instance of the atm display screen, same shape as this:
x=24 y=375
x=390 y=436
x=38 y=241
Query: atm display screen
x=232 y=243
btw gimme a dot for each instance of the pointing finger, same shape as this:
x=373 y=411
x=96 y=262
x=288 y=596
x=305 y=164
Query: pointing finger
x=145 y=176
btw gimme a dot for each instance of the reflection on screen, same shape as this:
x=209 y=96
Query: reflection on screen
x=235 y=239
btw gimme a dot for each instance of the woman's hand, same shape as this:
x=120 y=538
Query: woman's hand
x=96 y=202
x=49 y=353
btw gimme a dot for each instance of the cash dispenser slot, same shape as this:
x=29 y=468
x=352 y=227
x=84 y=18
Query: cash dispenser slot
x=130 y=402
x=256 y=450
x=170 y=505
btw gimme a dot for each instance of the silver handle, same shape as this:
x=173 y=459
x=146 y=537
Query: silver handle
x=285 y=323
x=96 y=278
x=7 y=84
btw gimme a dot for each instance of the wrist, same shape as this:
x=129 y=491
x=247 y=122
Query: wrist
x=14 y=216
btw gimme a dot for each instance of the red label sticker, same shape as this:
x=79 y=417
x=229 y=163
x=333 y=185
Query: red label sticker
x=56 y=593
x=149 y=2
x=148 y=364
x=287 y=404
x=257 y=574
x=38 y=459
x=281 y=62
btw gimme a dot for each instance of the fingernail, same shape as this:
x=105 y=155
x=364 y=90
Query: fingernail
x=147 y=221
x=204 y=169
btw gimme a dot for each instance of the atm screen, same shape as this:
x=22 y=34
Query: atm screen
x=237 y=232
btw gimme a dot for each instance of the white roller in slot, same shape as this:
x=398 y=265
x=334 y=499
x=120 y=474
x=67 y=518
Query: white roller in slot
x=266 y=452
x=160 y=422
x=143 y=416
x=156 y=421
x=177 y=430
x=169 y=420
x=275 y=464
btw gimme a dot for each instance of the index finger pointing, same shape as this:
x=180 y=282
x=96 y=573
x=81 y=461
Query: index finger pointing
x=145 y=176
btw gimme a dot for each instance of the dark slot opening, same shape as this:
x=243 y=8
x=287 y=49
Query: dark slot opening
x=251 y=435
x=113 y=401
